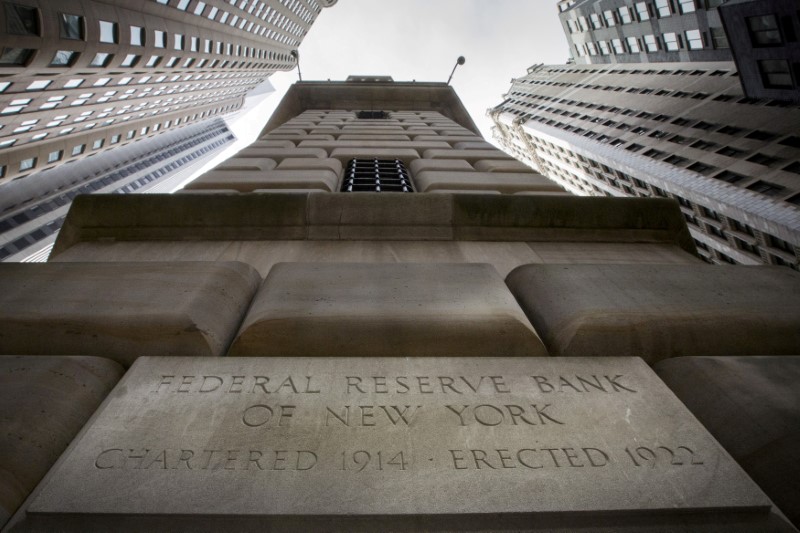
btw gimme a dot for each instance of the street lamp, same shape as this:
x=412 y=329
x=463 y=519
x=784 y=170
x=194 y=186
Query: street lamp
x=296 y=55
x=460 y=61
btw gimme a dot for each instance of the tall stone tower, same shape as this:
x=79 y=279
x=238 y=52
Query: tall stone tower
x=372 y=319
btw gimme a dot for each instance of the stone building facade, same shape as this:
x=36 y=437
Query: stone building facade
x=370 y=319
x=80 y=78
x=676 y=130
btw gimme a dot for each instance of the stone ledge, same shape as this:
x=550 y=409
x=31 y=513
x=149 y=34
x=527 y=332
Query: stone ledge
x=465 y=217
x=248 y=181
x=661 y=311
x=123 y=310
x=383 y=310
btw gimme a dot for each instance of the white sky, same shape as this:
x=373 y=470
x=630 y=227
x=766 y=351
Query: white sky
x=421 y=39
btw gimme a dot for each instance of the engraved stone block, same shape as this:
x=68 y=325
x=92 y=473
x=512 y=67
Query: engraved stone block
x=751 y=404
x=373 y=310
x=123 y=310
x=396 y=443
x=661 y=311
x=44 y=402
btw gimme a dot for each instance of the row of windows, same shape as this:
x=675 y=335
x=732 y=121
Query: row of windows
x=260 y=11
x=641 y=12
x=771 y=30
x=671 y=42
x=15 y=57
x=57 y=155
x=64 y=199
x=25 y=20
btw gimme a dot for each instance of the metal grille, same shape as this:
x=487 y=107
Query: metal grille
x=376 y=175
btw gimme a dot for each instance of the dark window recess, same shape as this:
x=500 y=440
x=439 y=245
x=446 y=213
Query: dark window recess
x=730 y=152
x=763 y=159
x=22 y=20
x=760 y=135
x=676 y=160
x=728 y=176
x=702 y=168
x=376 y=175
x=374 y=115
x=767 y=188
x=793 y=167
x=792 y=141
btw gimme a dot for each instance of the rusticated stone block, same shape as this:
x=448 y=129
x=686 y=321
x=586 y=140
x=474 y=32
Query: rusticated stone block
x=322 y=178
x=379 y=310
x=44 y=402
x=503 y=182
x=661 y=311
x=123 y=310
x=596 y=445
x=751 y=405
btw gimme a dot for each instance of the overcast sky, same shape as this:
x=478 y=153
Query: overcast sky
x=421 y=39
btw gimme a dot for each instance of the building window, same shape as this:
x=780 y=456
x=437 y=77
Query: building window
x=71 y=26
x=160 y=40
x=642 y=12
x=687 y=6
x=52 y=157
x=194 y=44
x=633 y=44
x=130 y=60
x=718 y=38
x=27 y=164
x=651 y=43
x=597 y=23
x=183 y=4
x=775 y=73
x=694 y=40
x=78 y=150
x=610 y=18
x=178 y=41
x=625 y=15
x=663 y=9
x=15 y=56
x=64 y=58
x=38 y=85
x=764 y=31
x=604 y=48
x=619 y=48
x=137 y=36
x=766 y=188
x=153 y=61
x=671 y=42
x=101 y=59
x=109 y=32
x=376 y=175
x=22 y=20
x=372 y=115
x=198 y=9
x=702 y=168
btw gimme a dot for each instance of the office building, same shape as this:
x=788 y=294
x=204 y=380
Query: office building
x=760 y=36
x=348 y=327
x=80 y=77
x=763 y=36
x=32 y=211
x=676 y=130
x=652 y=31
